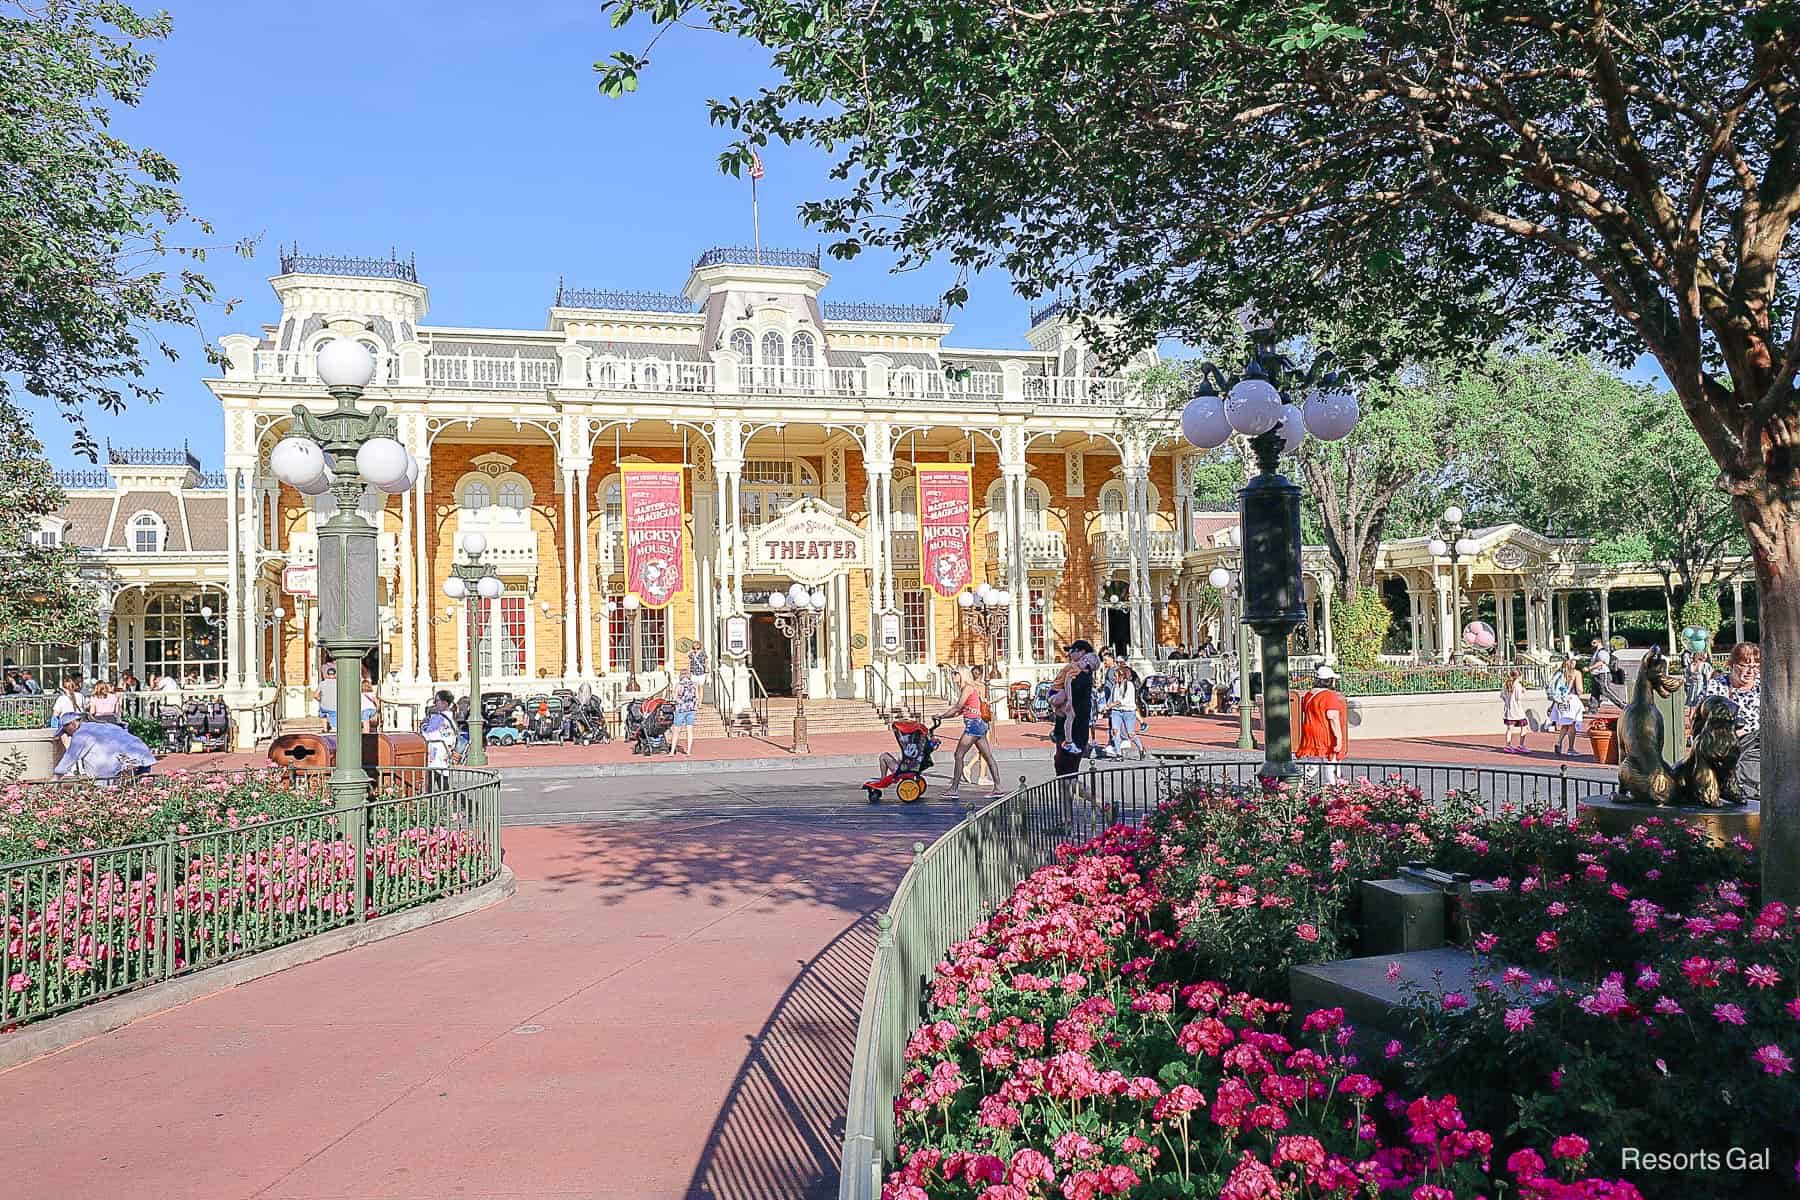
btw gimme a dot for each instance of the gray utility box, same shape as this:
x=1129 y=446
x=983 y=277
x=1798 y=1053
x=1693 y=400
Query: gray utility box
x=1401 y=915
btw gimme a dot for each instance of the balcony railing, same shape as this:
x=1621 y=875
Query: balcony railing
x=1053 y=309
x=1044 y=549
x=392 y=267
x=622 y=301
x=1075 y=389
x=899 y=314
x=492 y=372
x=651 y=375
x=755 y=256
x=903 y=545
x=152 y=456
x=1114 y=546
x=804 y=381
x=301 y=366
x=89 y=477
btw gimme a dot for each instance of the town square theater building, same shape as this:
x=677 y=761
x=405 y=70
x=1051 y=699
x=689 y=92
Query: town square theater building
x=700 y=451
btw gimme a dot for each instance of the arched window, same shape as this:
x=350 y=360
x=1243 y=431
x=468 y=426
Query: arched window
x=804 y=376
x=774 y=358
x=476 y=495
x=512 y=494
x=649 y=378
x=1112 y=508
x=147 y=531
x=906 y=505
x=744 y=346
x=906 y=382
x=606 y=375
x=1034 y=506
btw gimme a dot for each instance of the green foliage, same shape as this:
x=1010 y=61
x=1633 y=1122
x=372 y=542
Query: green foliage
x=42 y=597
x=86 y=246
x=1702 y=609
x=148 y=731
x=1358 y=626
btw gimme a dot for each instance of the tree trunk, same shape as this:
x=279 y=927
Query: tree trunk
x=1774 y=528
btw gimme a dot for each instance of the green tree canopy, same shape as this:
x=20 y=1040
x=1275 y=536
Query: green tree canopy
x=42 y=597
x=85 y=217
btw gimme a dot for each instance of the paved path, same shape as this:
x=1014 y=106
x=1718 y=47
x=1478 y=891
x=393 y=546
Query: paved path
x=666 y=1009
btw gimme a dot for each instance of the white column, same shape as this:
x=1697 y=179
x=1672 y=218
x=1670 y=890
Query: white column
x=1446 y=641
x=426 y=590
x=584 y=589
x=1012 y=478
x=409 y=587
x=1562 y=619
x=1327 y=643
x=571 y=558
x=232 y=619
x=1606 y=615
x=1737 y=610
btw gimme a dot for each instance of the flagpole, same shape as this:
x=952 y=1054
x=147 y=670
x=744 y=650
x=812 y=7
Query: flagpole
x=755 y=219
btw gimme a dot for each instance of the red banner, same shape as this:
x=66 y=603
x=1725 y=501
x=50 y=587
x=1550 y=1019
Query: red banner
x=655 y=558
x=946 y=527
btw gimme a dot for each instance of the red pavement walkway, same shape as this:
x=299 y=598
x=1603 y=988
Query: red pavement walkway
x=664 y=1010
x=1167 y=733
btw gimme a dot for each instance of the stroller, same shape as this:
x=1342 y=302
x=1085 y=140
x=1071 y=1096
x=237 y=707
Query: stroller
x=1018 y=700
x=584 y=720
x=1155 y=692
x=1040 y=701
x=543 y=718
x=499 y=720
x=1180 y=704
x=647 y=724
x=916 y=742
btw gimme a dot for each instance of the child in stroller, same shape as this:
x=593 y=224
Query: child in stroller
x=584 y=721
x=905 y=772
x=647 y=724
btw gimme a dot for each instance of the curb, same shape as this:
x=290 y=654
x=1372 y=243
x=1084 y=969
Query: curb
x=722 y=766
x=59 y=1033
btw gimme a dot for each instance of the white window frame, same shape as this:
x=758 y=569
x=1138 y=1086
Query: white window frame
x=143 y=519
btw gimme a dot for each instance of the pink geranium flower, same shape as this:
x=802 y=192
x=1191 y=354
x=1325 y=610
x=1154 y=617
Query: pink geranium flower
x=1518 y=1020
x=1773 y=1061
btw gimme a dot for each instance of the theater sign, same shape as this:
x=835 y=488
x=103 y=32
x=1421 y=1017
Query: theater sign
x=808 y=543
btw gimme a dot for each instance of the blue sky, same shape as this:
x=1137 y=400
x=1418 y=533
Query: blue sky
x=473 y=136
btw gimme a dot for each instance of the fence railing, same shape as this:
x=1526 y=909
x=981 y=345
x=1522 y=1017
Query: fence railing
x=78 y=928
x=954 y=882
x=25 y=712
x=1416 y=681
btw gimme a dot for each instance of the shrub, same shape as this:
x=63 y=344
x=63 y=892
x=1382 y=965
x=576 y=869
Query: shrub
x=1358 y=625
x=1701 y=608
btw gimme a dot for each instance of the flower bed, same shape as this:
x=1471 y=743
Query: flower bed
x=1119 y=1026
x=169 y=874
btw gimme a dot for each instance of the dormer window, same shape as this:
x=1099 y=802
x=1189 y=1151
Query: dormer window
x=743 y=345
x=146 y=533
x=50 y=539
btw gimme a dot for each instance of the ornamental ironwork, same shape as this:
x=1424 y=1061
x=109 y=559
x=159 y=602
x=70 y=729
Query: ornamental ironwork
x=79 y=478
x=213 y=481
x=155 y=456
x=1055 y=308
x=757 y=256
x=623 y=301
x=857 y=310
x=392 y=267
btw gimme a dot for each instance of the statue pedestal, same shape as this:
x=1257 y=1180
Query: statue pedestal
x=1614 y=816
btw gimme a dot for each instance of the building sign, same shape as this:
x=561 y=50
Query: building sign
x=890 y=633
x=655 y=558
x=737 y=636
x=300 y=581
x=946 y=524
x=808 y=543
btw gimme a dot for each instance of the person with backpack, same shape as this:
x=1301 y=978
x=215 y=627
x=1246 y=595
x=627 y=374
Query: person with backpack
x=977 y=716
x=440 y=731
x=1122 y=713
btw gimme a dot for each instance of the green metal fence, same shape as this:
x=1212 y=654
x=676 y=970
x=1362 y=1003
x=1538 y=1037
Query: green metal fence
x=954 y=882
x=82 y=927
x=25 y=712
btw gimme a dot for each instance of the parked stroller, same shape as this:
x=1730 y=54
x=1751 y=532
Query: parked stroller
x=584 y=719
x=543 y=719
x=503 y=720
x=907 y=776
x=1180 y=703
x=1040 y=701
x=1155 y=693
x=1018 y=700
x=647 y=724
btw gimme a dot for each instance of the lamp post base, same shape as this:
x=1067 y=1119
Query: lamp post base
x=800 y=746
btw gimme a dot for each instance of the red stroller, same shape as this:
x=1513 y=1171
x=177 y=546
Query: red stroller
x=908 y=776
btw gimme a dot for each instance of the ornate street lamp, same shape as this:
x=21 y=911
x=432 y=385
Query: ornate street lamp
x=984 y=613
x=798 y=614
x=475 y=583
x=1454 y=545
x=1260 y=405
x=342 y=453
x=1230 y=581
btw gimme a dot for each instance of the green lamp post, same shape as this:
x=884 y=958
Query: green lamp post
x=475 y=583
x=1226 y=579
x=337 y=457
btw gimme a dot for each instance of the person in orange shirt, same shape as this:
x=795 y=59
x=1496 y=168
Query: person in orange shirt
x=1324 y=725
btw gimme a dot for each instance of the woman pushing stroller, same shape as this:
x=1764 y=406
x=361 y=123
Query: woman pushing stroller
x=977 y=716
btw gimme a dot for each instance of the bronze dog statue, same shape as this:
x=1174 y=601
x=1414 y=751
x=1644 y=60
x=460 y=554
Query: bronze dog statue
x=1643 y=775
x=1706 y=777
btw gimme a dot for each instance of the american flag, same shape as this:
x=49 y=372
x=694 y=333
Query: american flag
x=756 y=167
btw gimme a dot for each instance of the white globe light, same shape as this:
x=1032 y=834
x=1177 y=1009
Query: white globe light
x=206 y=610
x=345 y=362
x=412 y=473
x=965 y=600
x=1438 y=547
x=1203 y=422
x=381 y=461
x=318 y=487
x=1292 y=427
x=474 y=544
x=297 y=461
x=777 y=600
x=1467 y=547
x=984 y=592
x=1453 y=515
x=798 y=594
x=1003 y=597
x=1332 y=416
x=632 y=603
x=490 y=587
x=455 y=588
x=817 y=598
x=279 y=613
x=1219 y=578
x=1254 y=407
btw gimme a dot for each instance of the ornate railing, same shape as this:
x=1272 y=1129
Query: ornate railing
x=81 y=477
x=151 y=456
x=650 y=375
x=392 y=267
x=623 y=301
x=1416 y=681
x=1044 y=312
x=25 y=712
x=78 y=928
x=1097 y=390
x=956 y=881
x=491 y=372
x=213 y=480
x=752 y=256
x=905 y=314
